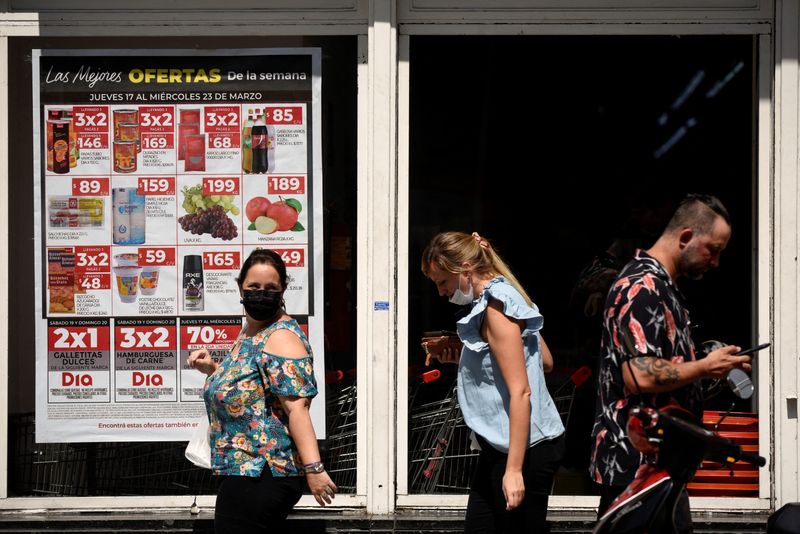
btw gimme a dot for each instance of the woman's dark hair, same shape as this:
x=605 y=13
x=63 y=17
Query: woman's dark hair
x=268 y=257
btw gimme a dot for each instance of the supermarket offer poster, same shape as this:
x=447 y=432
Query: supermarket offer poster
x=157 y=173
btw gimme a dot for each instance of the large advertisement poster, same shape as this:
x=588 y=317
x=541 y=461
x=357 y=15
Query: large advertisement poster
x=159 y=171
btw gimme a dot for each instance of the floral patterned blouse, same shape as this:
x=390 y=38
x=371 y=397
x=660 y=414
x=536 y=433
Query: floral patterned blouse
x=249 y=427
x=645 y=300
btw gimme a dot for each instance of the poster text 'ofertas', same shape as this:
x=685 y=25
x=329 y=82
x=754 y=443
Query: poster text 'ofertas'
x=91 y=77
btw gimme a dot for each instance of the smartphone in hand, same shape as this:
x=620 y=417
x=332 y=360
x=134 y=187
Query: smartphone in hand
x=752 y=350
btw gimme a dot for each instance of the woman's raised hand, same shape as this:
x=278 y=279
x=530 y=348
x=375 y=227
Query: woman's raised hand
x=202 y=361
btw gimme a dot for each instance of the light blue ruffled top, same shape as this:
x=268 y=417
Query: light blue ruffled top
x=482 y=392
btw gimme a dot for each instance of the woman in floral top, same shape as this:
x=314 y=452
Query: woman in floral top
x=258 y=399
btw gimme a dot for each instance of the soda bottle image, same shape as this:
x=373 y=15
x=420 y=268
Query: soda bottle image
x=247 y=143
x=270 y=149
x=260 y=142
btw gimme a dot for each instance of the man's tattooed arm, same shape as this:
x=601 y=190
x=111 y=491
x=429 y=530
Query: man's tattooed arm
x=649 y=374
x=663 y=372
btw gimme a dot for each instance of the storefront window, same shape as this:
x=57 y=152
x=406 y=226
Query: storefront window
x=568 y=153
x=98 y=467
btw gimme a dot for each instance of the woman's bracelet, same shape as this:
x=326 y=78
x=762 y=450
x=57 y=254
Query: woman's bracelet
x=314 y=467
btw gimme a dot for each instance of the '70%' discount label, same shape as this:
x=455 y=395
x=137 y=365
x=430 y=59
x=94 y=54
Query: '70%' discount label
x=210 y=336
x=215 y=334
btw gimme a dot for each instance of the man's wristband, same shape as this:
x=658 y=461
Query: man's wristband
x=314 y=467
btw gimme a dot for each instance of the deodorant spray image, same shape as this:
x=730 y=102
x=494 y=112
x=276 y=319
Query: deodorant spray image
x=193 y=283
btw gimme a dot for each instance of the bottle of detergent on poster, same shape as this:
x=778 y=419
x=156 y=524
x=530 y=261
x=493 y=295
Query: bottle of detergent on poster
x=260 y=141
x=247 y=143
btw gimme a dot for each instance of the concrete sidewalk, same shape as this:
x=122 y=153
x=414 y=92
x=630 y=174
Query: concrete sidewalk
x=406 y=522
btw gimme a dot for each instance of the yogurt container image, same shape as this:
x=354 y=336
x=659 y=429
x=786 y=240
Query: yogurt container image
x=127 y=282
x=148 y=280
x=127 y=259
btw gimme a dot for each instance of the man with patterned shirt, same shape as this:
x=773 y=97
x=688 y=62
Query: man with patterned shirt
x=645 y=301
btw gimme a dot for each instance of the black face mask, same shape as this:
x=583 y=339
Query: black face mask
x=260 y=304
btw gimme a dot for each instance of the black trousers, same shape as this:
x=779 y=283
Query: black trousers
x=486 y=508
x=255 y=504
x=682 y=517
x=608 y=495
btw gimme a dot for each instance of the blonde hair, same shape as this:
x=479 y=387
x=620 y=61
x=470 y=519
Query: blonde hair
x=449 y=250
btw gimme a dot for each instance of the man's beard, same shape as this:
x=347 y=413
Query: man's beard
x=690 y=268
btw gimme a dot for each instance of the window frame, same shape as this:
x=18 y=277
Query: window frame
x=763 y=237
x=357 y=500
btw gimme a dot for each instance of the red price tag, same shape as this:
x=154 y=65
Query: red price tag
x=208 y=336
x=221 y=260
x=77 y=338
x=156 y=119
x=156 y=186
x=162 y=256
x=90 y=119
x=221 y=119
x=284 y=115
x=89 y=187
x=221 y=186
x=158 y=141
x=292 y=257
x=223 y=140
x=93 y=259
x=92 y=141
x=145 y=338
x=94 y=281
x=286 y=185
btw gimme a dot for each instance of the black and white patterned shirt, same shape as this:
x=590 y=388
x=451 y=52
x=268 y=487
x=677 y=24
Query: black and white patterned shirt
x=646 y=301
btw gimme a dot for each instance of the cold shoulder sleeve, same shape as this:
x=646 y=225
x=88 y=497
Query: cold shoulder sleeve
x=290 y=377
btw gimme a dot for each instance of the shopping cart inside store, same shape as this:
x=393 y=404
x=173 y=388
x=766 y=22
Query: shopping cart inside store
x=78 y=469
x=440 y=457
x=339 y=455
x=562 y=386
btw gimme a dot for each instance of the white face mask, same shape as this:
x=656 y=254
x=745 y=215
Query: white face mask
x=461 y=298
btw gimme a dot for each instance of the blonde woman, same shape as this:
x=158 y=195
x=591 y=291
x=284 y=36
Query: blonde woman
x=501 y=387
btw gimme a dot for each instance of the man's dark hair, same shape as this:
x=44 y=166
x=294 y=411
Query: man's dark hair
x=698 y=212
